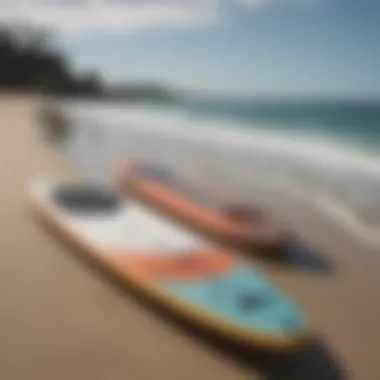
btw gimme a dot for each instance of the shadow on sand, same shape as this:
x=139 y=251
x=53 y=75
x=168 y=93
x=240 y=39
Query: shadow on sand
x=310 y=362
x=303 y=257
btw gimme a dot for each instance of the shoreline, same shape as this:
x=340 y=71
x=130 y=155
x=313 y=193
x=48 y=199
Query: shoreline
x=327 y=205
x=322 y=201
x=349 y=179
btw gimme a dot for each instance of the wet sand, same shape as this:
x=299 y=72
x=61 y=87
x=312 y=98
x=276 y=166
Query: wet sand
x=60 y=319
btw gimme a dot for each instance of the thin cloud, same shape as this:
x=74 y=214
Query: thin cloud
x=110 y=15
x=89 y=16
x=252 y=3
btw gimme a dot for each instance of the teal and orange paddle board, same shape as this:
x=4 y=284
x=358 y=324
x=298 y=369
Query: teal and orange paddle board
x=200 y=283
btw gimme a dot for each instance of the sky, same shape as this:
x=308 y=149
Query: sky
x=296 y=48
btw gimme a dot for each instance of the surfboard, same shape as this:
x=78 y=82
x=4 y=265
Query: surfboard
x=204 y=208
x=184 y=273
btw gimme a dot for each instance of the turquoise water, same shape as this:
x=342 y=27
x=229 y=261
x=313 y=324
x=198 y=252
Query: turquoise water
x=244 y=298
x=356 y=123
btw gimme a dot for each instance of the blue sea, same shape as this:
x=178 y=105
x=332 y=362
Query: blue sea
x=325 y=148
x=352 y=123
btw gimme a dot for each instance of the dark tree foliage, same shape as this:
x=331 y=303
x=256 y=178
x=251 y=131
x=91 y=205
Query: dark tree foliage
x=29 y=62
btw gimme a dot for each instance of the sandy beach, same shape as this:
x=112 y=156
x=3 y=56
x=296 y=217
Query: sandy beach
x=61 y=320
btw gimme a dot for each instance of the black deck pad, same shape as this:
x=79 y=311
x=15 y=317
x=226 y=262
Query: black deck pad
x=86 y=199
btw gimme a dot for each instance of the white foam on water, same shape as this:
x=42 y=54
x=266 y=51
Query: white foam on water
x=327 y=167
x=261 y=139
x=348 y=220
x=331 y=207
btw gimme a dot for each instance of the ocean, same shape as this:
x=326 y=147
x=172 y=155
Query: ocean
x=328 y=151
x=353 y=123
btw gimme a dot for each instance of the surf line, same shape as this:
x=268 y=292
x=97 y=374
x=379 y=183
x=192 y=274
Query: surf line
x=341 y=213
x=331 y=207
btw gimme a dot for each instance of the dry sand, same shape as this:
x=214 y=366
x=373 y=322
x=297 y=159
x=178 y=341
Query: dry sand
x=61 y=320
